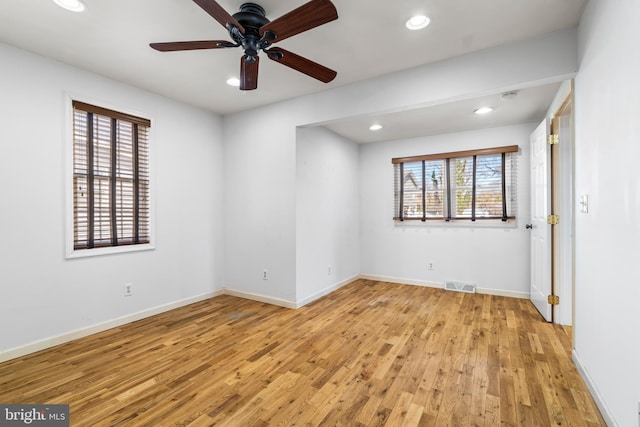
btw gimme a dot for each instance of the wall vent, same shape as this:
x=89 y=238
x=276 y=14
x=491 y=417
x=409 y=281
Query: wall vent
x=460 y=287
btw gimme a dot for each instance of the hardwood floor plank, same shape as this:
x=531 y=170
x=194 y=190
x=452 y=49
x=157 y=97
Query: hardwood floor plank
x=414 y=415
x=554 y=409
x=370 y=353
x=492 y=411
x=507 y=399
x=369 y=410
x=400 y=409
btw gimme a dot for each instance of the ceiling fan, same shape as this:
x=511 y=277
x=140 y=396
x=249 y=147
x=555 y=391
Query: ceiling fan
x=250 y=29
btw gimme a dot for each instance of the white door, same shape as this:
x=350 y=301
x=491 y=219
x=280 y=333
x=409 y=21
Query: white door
x=540 y=230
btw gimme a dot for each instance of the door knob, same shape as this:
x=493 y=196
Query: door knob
x=529 y=226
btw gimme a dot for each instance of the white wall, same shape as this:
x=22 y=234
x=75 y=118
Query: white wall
x=607 y=291
x=327 y=212
x=260 y=145
x=494 y=258
x=260 y=173
x=43 y=295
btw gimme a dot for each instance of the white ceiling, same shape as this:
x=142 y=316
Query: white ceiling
x=528 y=105
x=369 y=39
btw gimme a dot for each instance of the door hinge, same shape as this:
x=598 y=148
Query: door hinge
x=553 y=219
x=553 y=139
x=553 y=299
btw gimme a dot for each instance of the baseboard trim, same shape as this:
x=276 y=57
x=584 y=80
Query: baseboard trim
x=440 y=285
x=325 y=291
x=83 y=332
x=503 y=293
x=595 y=393
x=260 y=298
x=401 y=281
x=100 y=327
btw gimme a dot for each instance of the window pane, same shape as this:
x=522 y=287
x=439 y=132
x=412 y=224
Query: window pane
x=102 y=212
x=80 y=155
x=143 y=213
x=435 y=188
x=125 y=150
x=462 y=186
x=489 y=186
x=101 y=145
x=125 y=211
x=81 y=211
x=412 y=206
x=143 y=184
x=511 y=173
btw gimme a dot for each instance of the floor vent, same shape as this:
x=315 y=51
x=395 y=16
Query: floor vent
x=460 y=287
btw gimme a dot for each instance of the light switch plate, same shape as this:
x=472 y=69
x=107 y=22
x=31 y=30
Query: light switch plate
x=584 y=203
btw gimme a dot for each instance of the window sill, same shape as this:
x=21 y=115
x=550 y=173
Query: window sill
x=456 y=223
x=111 y=250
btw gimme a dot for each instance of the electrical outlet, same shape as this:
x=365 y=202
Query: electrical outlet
x=128 y=289
x=265 y=275
x=430 y=265
x=329 y=270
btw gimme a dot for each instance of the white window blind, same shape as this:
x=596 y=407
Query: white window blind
x=110 y=178
x=465 y=185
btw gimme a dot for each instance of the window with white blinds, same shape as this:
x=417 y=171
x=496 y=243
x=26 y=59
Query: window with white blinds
x=110 y=178
x=466 y=185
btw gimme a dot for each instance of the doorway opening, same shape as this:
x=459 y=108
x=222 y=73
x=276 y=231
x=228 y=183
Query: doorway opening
x=552 y=211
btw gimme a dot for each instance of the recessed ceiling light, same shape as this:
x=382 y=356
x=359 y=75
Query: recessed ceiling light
x=375 y=127
x=72 y=5
x=483 y=110
x=418 y=22
x=233 y=82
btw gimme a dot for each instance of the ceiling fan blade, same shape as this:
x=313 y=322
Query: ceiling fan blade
x=218 y=13
x=304 y=65
x=249 y=73
x=306 y=17
x=193 y=45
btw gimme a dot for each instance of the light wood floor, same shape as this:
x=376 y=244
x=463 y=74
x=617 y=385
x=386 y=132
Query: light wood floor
x=369 y=354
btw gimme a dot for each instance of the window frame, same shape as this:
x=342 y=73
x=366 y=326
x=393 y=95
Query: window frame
x=449 y=191
x=68 y=142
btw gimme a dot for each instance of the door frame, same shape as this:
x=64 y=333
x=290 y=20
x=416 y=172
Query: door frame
x=563 y=204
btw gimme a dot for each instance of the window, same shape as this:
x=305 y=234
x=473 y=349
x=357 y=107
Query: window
x=465 y=185
x=110 y=178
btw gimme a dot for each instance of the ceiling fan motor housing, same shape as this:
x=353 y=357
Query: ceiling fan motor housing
x=252 y=8
x=251 y=17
